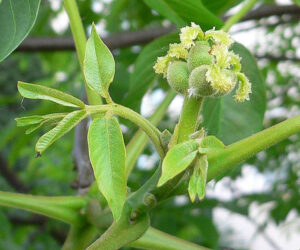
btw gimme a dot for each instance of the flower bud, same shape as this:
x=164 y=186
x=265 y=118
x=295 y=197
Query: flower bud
x=199 y=55
x=178 y=75
x=198 y=84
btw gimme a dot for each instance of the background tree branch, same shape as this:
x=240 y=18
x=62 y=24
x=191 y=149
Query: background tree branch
x=129 y=38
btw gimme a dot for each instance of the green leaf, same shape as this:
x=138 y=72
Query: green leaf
x=178 y=159
x=143 y=74
x=34 y=128
x=184 y=12
x=166 y=10
x=107 y=154
x=64 y=126
x=209 y=144
x=198 y=179
x=297 y=2
x=16 y=21
x=202 y=165
x=29 y=120
x=219 y=7
x=99 y=64
x=231 y=121
x=34 y=91
x=34 y=119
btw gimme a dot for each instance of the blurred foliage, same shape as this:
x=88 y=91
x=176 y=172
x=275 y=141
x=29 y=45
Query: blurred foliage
x=53 y=173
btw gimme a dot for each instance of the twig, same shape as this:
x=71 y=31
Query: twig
x=114 y=41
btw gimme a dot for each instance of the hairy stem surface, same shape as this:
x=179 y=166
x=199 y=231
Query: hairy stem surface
x=138 y=142
x=223 y=160
x=62 y=208
x=143 y=123
x=155 y=239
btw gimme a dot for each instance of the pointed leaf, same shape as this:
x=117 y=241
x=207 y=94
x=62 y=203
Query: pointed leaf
x=107 y=154
x=34 y=91
x=16 y=21
x=198 y=179
x=209 y=144
x=33 y=128
x=202 y=164
x=99 y=64
x=178 y=159
x=192 y=188
x=34 y=119
x=29 y=120
x=64 y=126
x=184 y=12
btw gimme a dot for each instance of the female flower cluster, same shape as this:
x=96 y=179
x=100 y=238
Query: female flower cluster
x=202 y=64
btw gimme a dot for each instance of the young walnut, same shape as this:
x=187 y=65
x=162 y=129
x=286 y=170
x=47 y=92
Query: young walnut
x=202 y=64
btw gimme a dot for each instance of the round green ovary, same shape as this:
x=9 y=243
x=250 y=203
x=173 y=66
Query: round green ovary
x=198 y=85
x=199 y=55
x=178 y=76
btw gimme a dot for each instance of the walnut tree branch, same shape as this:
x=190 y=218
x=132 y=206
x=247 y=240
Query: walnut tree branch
x=129 y=38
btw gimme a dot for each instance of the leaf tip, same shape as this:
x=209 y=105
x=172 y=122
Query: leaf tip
x=38 y=154
x=161 y=182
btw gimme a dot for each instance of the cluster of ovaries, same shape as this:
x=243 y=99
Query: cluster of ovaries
x=202 y=65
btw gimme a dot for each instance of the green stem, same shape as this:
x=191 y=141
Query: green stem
x=80 y=42
x=61 y=208
x=223 y=160
x=138 y=142
x=239 y=15
x=187 y=125
x=80 y=237
x=155 y=239
x=122 y=232
x=188 y=119
x=148 y=127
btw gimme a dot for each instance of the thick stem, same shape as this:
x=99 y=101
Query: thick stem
x=155 y=239
x=122 y=232
x=139 y=140
x=62 y=208
x=80 y=42
x=239 y=15
x=148 y=127
x=221 y=161
x=80 y=238
x=189 y=118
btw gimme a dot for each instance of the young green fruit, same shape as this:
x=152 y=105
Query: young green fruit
x=178 y=75
x=199 y=55
x=198 y=85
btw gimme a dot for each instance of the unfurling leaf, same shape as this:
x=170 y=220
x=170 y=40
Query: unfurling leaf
x=107 y=154
x=198 y=179
x=210 y=144
x=177 y=160
x=35 y=91
x=29 y=120
x=99 y=64
x=37 y=121
x=64 y=126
